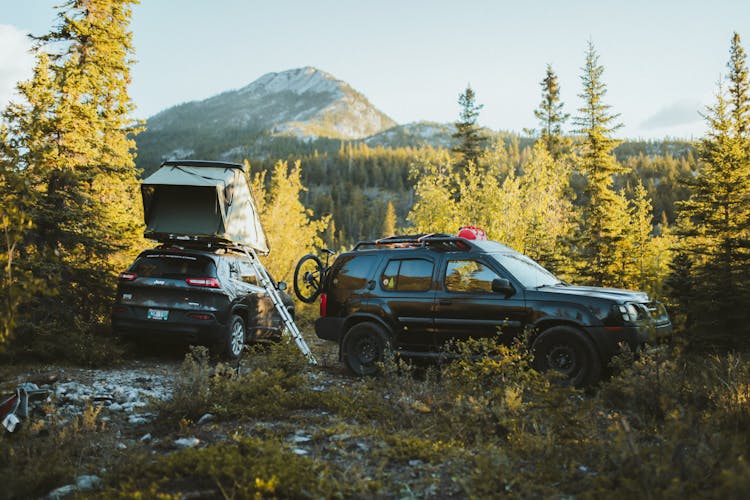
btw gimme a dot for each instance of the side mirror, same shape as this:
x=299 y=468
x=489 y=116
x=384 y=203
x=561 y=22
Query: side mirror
x=281 y=285
x=502 y=285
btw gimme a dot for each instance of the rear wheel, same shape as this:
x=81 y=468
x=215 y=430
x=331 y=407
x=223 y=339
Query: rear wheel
x=234 y=340
x=568 y=351
x=307 y=278
x=365 y=345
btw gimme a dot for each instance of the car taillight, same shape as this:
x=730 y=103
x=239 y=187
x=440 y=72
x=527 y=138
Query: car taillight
x=128 y=276
x=204 y=282
x=204 y=317
x=323 y=305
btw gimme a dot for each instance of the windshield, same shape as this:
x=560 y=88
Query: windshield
x=525 y=270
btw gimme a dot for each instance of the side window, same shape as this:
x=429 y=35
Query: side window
x=408 y=275
x=354 y=273
x=234 y=268
x=468 y=276
x=247 y=274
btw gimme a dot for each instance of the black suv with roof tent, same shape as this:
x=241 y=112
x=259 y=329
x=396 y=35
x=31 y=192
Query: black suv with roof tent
x=415 y=294
x=196 y=295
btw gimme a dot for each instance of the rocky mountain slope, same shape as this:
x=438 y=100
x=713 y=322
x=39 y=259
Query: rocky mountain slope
x=299 y=105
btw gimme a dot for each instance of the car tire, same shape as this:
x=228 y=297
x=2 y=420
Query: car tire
x=234 y=340
x=568 y=351
x=365 y=345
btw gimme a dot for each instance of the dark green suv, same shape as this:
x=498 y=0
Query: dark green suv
x=414 y=294
x=202 y=295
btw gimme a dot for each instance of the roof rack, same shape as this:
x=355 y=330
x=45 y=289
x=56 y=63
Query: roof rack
x=202 y=163
x=190 y=241
x=448 y=241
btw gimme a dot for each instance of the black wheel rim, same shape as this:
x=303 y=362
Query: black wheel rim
x=563 y=358
x=367 y=350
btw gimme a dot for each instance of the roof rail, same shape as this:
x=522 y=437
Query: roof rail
x=415 y=240
x=202 y=163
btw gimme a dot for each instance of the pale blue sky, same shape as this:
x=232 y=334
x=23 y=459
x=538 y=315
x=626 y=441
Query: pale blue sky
x=411 y=59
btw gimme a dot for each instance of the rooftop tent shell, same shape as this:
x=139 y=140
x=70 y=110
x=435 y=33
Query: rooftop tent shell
x=201 y=201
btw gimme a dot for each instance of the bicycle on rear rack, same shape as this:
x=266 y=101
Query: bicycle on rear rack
x=309 y=276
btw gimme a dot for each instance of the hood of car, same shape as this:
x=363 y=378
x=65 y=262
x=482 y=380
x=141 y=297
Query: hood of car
x=617 y=295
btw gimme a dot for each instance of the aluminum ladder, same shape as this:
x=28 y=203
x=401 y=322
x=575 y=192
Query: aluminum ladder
x=265 y=281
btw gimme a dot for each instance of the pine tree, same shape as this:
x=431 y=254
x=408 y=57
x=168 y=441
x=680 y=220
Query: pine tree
x=640 y=229
x=550 y=114
x=739 y=89
x=715 y=221
x=602 y=225
x=389 y=221
x=71 y=145
x=471 y=141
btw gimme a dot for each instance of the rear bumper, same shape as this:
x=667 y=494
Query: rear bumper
x=330 y=328
x=178 y=328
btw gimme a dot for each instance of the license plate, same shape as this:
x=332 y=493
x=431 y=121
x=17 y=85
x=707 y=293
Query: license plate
x=157 y=314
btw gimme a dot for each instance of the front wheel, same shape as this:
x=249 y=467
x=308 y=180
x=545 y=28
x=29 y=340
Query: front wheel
x=568 y=351
x=364 y=347
x=308 y=276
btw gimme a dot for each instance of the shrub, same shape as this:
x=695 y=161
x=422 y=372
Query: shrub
x=45 y=453
x=245 y=467
x=267 y=385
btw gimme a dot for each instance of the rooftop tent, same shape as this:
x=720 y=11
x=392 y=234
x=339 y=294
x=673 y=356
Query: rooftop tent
x=201 y=200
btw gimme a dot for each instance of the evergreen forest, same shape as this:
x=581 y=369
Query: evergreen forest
x=669 y=217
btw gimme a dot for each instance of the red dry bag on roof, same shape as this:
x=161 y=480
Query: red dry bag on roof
x=472 y=233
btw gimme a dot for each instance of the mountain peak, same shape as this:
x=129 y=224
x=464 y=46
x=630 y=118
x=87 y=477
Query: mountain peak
x=299 y=81
x=304 y=103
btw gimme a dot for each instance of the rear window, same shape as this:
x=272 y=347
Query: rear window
x=408 y=275
x=353 y=274
x=173 y=266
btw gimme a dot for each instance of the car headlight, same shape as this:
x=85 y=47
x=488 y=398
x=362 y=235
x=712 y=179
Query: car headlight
x=629 y=313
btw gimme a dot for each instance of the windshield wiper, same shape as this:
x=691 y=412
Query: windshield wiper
x=545 y=285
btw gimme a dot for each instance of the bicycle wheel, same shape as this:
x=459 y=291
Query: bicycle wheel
x=308 y=276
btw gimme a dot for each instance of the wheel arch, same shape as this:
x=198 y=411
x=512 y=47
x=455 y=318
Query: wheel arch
x=540 y=327
x=356 y=319
x=545 y=324
x=241 y=310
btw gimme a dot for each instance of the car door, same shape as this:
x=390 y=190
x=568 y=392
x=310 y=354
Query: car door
x=408 y=295
x=466 y=307
x=262 y=319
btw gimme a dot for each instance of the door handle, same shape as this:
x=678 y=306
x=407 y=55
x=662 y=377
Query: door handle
x=445 y=302
x=371 y=285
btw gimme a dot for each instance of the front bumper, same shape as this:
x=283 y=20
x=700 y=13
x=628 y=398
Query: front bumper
x=609 y=339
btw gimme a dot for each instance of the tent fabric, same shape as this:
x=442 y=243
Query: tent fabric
x=201 y=202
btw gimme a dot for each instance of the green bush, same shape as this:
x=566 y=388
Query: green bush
x=45 y=453
x=269 y=384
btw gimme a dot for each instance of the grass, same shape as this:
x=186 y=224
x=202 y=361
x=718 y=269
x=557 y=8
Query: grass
x=666 y=425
